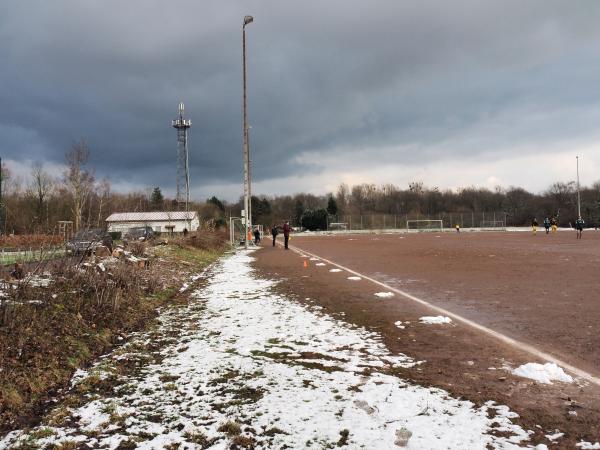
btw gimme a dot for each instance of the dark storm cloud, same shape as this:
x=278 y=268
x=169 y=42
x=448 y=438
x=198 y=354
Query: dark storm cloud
x=324 y=78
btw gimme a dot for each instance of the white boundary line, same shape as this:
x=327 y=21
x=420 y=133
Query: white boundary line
x=501 y=337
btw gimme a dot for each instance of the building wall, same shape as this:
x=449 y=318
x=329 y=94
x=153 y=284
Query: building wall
x=157 y=225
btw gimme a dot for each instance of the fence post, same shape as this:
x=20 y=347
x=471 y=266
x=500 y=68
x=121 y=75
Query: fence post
x=384 y=221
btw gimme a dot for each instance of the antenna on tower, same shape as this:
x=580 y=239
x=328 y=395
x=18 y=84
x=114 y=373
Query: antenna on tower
x=181 y=124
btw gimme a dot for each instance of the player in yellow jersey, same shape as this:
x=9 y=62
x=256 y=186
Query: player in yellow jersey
x=534 y=225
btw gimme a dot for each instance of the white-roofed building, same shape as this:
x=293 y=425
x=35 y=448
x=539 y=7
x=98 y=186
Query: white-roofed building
x=159 y=221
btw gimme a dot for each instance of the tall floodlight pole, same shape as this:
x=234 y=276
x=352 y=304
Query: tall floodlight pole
x=578 y=196
x=249 y=179
x=247 y=20
x=1 y=223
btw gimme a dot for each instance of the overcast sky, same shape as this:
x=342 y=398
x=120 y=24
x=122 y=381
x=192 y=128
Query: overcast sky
x=453 y=94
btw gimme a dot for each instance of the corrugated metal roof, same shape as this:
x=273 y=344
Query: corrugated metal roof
x=152 y=216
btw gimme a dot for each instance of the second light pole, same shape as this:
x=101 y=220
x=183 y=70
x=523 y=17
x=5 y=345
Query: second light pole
x=247 y=218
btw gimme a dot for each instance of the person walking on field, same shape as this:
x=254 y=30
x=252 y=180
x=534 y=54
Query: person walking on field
x=547 y=225
x=274 y=233
x=534 y=225
x=579 y=226
x=256 y=236
x=554 y=224
x=286 y=234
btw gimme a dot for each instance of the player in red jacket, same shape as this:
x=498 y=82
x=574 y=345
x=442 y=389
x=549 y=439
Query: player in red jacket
x=286 y=233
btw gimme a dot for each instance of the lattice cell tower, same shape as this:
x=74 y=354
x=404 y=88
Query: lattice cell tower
x=183 y=174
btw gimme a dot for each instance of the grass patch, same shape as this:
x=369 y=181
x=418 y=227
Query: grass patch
x=242 y=441
x=199 y=438
x=230 y=428
x=273 y=431
x=344 y=435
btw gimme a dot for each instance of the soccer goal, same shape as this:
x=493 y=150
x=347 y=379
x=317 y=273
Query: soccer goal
x=425 y=225
x=493 y=225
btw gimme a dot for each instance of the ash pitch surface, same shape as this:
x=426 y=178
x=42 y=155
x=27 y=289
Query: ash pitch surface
x=543 y=290
x=539 y=290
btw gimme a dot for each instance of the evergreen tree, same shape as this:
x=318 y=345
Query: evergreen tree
x=332 y=207
x=156 y=199
x=218 y=203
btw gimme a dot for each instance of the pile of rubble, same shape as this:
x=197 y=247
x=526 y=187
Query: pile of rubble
x=119 y=253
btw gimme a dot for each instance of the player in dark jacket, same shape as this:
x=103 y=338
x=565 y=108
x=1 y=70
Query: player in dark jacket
x=579 y=226
x=547 y=225
x=274 y=233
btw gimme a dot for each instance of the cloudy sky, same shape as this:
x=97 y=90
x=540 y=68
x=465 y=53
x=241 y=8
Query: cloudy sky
x=454 y=94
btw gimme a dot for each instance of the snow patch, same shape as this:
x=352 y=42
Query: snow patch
x=335 y=270
x=543 y=373
x=355 y=278
x=384 y=294
x=583 y=445
x=435 y=320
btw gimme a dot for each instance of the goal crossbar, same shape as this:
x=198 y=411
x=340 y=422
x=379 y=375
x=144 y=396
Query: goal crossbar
x=493 y=224
x=425 y=225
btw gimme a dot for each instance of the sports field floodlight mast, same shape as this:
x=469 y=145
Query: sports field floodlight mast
x=578 y=196
x=247 y=218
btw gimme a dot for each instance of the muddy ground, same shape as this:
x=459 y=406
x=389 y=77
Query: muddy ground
x=541 y=290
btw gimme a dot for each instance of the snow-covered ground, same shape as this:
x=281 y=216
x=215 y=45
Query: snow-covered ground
x=243 y=364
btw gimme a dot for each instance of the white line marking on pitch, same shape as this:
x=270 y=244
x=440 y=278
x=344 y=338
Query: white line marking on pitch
x=507 y=340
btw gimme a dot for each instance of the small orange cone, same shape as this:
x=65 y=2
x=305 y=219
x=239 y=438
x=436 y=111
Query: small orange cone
x=305 y=263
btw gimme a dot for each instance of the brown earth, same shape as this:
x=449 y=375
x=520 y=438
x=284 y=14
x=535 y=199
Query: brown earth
x=542 y=290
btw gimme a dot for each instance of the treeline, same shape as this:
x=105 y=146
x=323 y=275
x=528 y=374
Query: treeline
x=514 y=204
x=76 y=195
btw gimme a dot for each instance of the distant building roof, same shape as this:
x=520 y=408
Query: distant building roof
x=152 y=216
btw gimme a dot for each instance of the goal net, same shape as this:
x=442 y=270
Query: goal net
x=425 y=225
x=493 y=225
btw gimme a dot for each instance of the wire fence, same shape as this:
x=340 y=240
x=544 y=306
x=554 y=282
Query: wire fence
x=29 y=254
x=483 y=220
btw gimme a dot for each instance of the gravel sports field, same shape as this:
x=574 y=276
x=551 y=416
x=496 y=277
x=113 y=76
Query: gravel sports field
x=497 y=315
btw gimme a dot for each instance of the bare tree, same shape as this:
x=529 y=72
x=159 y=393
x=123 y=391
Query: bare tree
x=78 y=180
x=103 y=197
x=39 y=189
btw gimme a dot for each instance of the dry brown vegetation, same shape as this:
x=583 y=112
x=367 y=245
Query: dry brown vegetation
x=34 y=241
x=49 y=332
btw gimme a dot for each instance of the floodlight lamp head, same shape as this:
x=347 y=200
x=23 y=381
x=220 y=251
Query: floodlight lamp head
x=248 y=19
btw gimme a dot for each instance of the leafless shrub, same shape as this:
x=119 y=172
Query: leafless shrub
x=207 y=240
x=137 y=248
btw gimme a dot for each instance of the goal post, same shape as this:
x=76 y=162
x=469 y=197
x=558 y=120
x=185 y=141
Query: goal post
x=425 y=225
x=493 y=225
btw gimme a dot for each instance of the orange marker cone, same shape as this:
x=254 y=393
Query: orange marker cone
x=305 y=264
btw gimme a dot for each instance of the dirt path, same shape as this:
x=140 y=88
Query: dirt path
x=458 y=358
